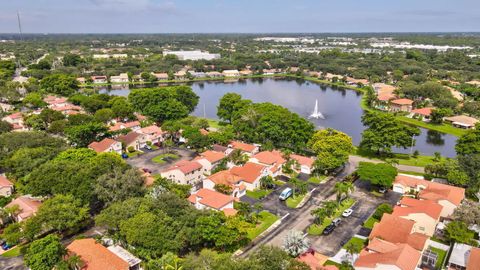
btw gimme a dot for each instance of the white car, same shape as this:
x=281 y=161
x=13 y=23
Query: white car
x=347 y=213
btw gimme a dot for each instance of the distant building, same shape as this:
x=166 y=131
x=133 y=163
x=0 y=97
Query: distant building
x=401 y=105
x=192 y=55
x=27 y=206
x=122 y=78
x=231 y=73
x=106 y=145
x=185 y=172
x=6 y=187
x=99 y=79
x=462 y=121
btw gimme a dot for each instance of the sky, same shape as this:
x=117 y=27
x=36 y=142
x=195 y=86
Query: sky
x=239 y=16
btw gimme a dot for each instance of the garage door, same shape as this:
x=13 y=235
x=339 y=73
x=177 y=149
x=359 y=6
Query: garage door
x=398 y=189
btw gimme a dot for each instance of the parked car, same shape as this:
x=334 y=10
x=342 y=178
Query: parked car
x=382 y=190
x=329 y=229
x=336 y=222
x=148 y=147
x=147 y=170
x=347 y=212
x=6 y=246
x=124 y=156
x=286 y=193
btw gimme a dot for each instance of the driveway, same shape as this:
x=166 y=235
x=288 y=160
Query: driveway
x=145 y=160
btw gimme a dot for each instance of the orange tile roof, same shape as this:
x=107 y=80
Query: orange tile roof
x=129 y=137
x=402 y=101
x=225 y=178
x=404 y=257
x=433 y=191
x=309 y=259
x=16 y=115
x=270 y=157
x=212 y=156
x=303 y=160
x=121 y=125
x=249 y=172
x=423 y=111
x=102 y=145
x=153 y=129
x=413 y=206
x=95 y=256
x=398 y=230
x=204 y=132
x=28 y=206
x=473 y=262
x=4 y=182
x=185 y=166
x=242 y=146
x=381 y=246
x=210 y=198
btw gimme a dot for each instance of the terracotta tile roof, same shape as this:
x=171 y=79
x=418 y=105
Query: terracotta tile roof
x=473 y=262
x=463 y=119
x=423 y=111
x=398 y=230
x=404 y=257
x=16 y=115
x=212 y=156
x=121 y=125
x=129 y=137
x=433 y=191
x=95 y=256
x=230 y=212
x=4 y=182
x=381 y=246
x=102 y=145
x=270 y=157
x=28 y=206
x=303 y=160
x=210 y=198
x=402 y=101
x=204 y=132
x=152 y=130
x=225 y=178
x=242 y=146
x=249 y=172
x=219 y=148
x=185 y=166
x=413 y=206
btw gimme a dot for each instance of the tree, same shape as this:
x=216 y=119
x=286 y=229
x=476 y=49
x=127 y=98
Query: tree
x=437 y=115
x=45 y=253
x=82 y=135
x=187 y=97
x=34 y=100
x=237 y=157
x=295 y=243
x=343 y=188
x=382 y=209
x=24 y=160
x=320 y=214
x=12 y=234
x=457 y=178
x=71 y=60
x=384 y=132
x=468 y=212
x=458 y=232
x=104 y=115
x=437 y=156
x=166 y=110
x=60 y=84
x=5 y=127
x=354 y=247
x=122 y=108
x=332 y=148
x=266 y=182
x=381 y=174
x=12 y=141
x=229 y=105
x=119 y=185
x=299 y=186
x=224 y=189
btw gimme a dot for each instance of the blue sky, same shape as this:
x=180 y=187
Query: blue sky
x=246 y=16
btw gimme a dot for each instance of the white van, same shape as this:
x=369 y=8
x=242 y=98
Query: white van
x=286 y=193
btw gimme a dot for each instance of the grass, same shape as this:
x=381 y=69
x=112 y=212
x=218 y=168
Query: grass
x=258 y=193
x=441 y=256
x=403 y=159
x=160 y=159
x=445 y=128
x=363 y=242
x=329 y=262
x=293 y=201
x=376 y=193
x=370 y=222
x=14 y=252
x=315 y=229
x=317 y=179
x=411 y=173
x=214 y=123
x=266 y=219
x=133 y=154
x=279 y=183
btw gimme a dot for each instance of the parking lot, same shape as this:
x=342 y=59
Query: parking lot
x=145 y=160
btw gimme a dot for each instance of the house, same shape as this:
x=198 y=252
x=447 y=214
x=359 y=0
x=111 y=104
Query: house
x=357 y=82
x=220 y=148
x=398 y=230
x=184 y=172
x=426 y=214
x=106 y=145
x=210 y=159
x=385 y=92
x=251 y=174
x=464 y=257
x=81 y=80
x=381 y=254
x=272 y=159
x=122 y=78
x=5 y=107
x=462 y=121
x=248 y=149
x=27 y=207
x=245 y=72
x=423 y=113
x=306 y=163
x=97 y=257
x=180 y=75
x=401 y=105
x=6 y=187
x=449 y=197
x=133 y=125
x=54 y=101
x=227 y=178
x=14 y=118
x=99 y=79
x=134 y=140
x=154 y=133
x=231 y=73
x=214 y=74
x=210 y=199
x=313 y=259
x=68 y=109
x=161 y=76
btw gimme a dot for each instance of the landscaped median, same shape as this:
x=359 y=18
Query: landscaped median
x=316 y=229
x=161 y=159
x=317 y=179
x=293 y=201
x=265 y=219
x=258 y=194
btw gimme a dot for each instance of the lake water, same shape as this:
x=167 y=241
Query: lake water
x=340 y=107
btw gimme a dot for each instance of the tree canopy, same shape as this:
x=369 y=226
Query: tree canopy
x=381 y=174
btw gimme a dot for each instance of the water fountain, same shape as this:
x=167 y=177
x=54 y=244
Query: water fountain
x=316 y=114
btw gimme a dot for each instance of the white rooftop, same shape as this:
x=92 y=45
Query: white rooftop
x=460 y=254
x=124 y=255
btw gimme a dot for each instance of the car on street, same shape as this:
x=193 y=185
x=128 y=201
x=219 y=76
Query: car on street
x=382 y=190
x=286 y=193
x=336 y=222
x=347 y=212
x=329 y=229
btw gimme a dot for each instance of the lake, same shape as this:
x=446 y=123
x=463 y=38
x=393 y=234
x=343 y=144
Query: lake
x=340 y=107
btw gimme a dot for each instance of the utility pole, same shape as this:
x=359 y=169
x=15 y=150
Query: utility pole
x=19 y=25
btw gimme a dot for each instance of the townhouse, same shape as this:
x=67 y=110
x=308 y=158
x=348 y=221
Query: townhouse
x=106 y=145
x=122 y=78
x=27 y=207
x=251 y=174
x=133 y=125
x=273 y=160
x=425 y=214
x=210 y=159
x=210 y=199
x=185 y=172
x=248 y=149
x=133 y=140
x=226 y=178
x=6 y=187
x=153 y=133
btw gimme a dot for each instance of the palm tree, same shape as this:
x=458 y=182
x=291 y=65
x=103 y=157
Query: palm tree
x=320 y=214
x=343 y=188
x=238 y=158
x=266 y=182
x=330 y=207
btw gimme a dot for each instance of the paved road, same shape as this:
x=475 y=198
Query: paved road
x=354 y=160
x=15 y=263
x=145 y=160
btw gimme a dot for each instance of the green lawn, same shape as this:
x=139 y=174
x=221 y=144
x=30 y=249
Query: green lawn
x=293 y=201
x=403 y=159
x=445 y=128
x=214 y=123
x=370 y=222
x=411 y=173
x=266 y=220
x=315 y=229
x=160 y=159
x=317 y=179
x=258 y=193
x=14 y=252
x=329 y=262
x=133 y=154
x=441 y=256
x=363 y=242
x=279 y=183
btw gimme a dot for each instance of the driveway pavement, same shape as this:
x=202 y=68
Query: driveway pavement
x=15 y=263
x=145 y=160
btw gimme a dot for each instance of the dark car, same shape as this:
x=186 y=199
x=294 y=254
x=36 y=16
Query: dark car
x=6 y=246
x=147 y=170
x=329 y=229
